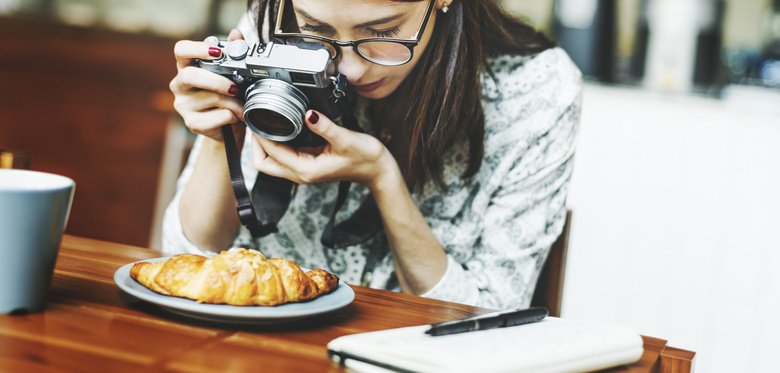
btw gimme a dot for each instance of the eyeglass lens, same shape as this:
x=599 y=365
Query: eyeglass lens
x=380 y=52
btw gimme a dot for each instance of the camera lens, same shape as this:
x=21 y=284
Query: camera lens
x=273 y=124
x=275 y=109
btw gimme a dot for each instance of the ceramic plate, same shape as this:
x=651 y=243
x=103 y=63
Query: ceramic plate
x=342 y=296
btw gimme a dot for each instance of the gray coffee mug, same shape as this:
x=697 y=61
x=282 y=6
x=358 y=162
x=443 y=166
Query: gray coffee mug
x=34 y=210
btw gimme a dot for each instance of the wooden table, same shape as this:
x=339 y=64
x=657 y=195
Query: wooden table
x=89 y=324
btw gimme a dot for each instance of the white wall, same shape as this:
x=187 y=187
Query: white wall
x=676 y=224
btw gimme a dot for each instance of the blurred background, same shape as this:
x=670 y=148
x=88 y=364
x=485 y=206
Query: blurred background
x=676 y=192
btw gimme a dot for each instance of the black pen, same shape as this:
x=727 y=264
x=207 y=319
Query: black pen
x=500 y=320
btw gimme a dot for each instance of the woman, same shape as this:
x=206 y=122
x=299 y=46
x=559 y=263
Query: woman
x=467 y=149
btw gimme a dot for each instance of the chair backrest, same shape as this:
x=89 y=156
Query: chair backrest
x=10 y=159
x=549 y=287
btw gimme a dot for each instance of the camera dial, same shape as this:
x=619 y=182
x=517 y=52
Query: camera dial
x=238 y=49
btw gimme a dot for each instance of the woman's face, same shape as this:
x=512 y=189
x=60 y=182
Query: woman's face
x=348 y=20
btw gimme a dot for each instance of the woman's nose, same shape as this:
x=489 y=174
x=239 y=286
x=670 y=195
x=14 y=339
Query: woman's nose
x=351 y=64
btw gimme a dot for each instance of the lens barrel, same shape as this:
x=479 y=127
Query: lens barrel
x=275 y=109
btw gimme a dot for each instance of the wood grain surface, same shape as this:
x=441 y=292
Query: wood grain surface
x=90 y=325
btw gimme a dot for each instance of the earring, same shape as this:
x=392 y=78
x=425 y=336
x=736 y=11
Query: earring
x=445 y=8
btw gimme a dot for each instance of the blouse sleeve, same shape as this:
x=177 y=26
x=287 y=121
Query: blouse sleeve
x=173 y=239
x=498 y=244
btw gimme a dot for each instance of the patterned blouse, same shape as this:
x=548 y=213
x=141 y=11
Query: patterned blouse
x=496 y=228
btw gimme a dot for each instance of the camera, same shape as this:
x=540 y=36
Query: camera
x=280 y=83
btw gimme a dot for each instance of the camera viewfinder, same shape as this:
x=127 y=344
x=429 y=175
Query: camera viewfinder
x=302 y=78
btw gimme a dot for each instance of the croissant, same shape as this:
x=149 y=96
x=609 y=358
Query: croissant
x=238 y=277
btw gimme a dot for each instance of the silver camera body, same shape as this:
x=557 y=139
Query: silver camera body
x=280 y=83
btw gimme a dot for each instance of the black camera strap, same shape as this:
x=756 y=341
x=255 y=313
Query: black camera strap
x=273 y=194
x=364 y=223
x=275 y=201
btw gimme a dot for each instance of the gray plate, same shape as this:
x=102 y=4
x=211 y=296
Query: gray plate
x=342 y=296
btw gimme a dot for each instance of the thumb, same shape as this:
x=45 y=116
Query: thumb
x=235 y=34
x=323 y=126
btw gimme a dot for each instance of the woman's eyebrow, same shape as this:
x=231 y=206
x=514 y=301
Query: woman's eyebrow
x=311 y=18
x=379 y=21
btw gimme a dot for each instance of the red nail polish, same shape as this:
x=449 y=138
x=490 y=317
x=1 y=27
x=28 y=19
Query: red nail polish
x=215 y=52
x=314 y=117
x=233 y=90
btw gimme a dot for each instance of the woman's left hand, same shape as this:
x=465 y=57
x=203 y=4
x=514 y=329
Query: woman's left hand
x=348 y=155
x=419 y=259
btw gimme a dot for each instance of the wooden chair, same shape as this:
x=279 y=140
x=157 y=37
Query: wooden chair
x=549 y=287
x=10 y=159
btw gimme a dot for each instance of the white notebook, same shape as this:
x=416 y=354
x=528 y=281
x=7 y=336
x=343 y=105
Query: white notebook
x=551 y=345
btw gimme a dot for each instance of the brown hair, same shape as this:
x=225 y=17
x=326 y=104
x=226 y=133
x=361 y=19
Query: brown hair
x=447 y=108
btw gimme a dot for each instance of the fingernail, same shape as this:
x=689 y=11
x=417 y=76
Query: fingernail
x=215 y=52
x=233 y=90
x=314 y=117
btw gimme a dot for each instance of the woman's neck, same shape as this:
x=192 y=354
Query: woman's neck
x=382 y=118
x=376 y=108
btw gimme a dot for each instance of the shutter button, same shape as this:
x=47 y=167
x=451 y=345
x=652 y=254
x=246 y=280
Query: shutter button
x=238 y=49
x=212 y=40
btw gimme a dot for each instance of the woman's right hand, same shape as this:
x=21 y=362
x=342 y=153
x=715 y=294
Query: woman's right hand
x=205 y=100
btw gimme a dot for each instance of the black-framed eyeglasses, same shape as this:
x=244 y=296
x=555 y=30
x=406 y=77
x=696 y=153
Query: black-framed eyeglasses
x=381 y=51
